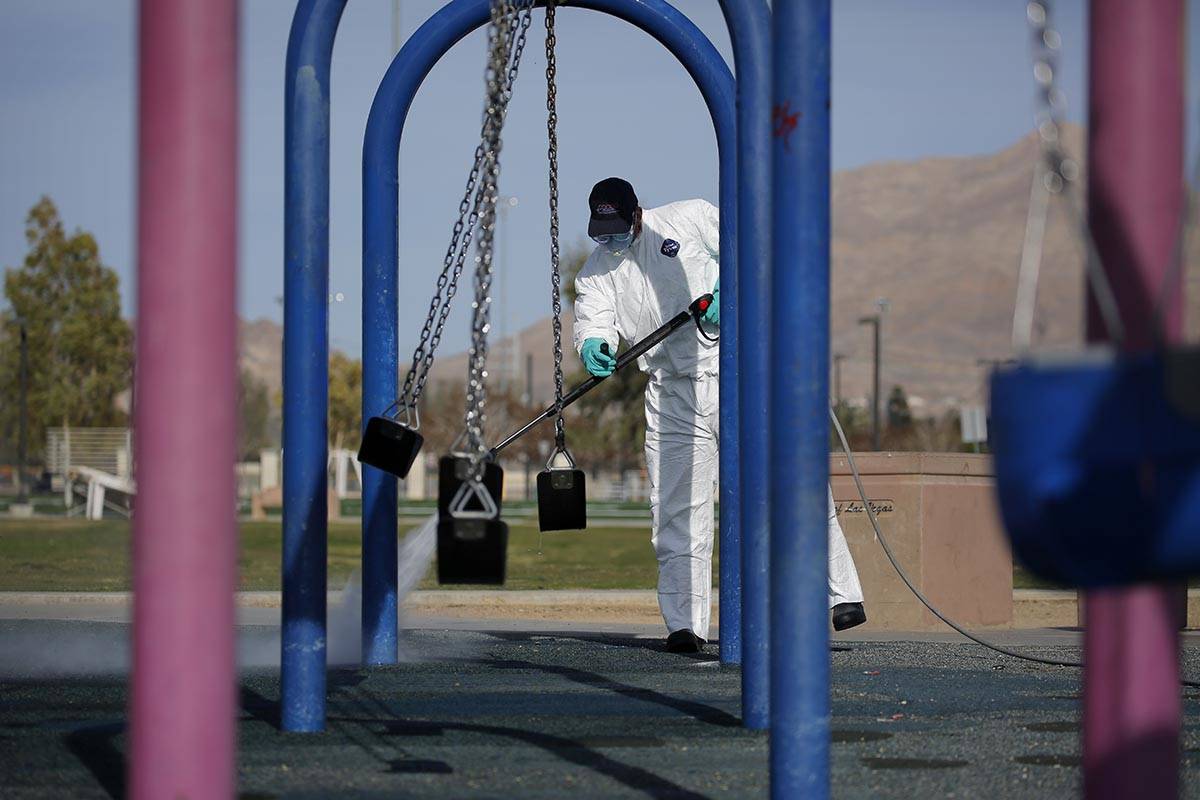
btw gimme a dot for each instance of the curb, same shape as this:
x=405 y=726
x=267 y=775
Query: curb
x=1032 y=608
x=422 y=598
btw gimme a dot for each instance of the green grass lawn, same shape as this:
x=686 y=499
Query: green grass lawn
x=78 y=555
x=1024 y=579
x=73 y=555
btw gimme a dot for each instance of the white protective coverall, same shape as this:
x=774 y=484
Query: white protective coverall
x=673 y=261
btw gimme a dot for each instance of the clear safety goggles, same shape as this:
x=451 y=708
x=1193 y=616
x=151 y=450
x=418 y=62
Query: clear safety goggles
x=614 y=238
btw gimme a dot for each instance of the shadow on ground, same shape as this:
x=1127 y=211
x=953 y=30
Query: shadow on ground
x=491 y=715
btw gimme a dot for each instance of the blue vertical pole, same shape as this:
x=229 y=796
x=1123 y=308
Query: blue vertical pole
x=799 y=398
x=749 y=23
x=306 y=361
x=381 y=322
x=380 y=304
x=730 y=590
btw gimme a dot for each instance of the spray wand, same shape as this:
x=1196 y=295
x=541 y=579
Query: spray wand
x=694 y=312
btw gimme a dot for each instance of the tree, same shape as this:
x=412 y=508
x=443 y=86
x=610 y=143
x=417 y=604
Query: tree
x=345 y=400
x=573 y=258
x=254 y=412
x=899 y=415
x=80 y=349
x=609 y=423
x=856 y=424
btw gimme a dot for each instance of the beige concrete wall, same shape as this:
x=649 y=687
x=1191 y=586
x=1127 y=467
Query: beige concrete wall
x=938 y=512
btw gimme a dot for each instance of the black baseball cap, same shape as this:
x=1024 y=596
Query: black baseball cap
x=613 y=204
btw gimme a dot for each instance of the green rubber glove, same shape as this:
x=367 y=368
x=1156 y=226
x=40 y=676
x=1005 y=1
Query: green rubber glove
x=713 y=315
x=596 y=362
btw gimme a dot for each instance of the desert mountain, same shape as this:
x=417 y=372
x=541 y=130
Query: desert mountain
x=260 y=347
x=939 y=240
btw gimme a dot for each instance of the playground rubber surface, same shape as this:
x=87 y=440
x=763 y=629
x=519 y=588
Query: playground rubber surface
x=512 y=714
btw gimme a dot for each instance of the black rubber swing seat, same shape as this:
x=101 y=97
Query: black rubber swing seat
x=562 y=499
x=390 y=445
x=1098 y=466
x=470 y=550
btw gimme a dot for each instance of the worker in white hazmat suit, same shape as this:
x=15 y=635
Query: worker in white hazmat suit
x=648 y=265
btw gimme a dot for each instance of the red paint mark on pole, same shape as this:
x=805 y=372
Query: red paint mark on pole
x=1135 y=199
x=783 y=123
x=183 y=701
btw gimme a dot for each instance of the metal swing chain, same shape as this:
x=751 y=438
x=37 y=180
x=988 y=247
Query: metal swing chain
x=525 y=17
x=560 y=434
x=1057 y=173
x=463 y=231
x=1052 y=180
x=497 y=102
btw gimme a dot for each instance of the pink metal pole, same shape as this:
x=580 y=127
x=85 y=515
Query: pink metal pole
x=1135 y=197
x=183 y=700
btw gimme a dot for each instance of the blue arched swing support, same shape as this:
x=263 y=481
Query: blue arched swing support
x=745 y=370
x=772 y=60
x=381 y=280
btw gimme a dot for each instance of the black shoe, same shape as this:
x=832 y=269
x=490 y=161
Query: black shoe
x=848 y=615
x=684 y=641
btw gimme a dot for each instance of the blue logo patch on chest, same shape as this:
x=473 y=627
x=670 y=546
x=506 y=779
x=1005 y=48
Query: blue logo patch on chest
x=670 y=248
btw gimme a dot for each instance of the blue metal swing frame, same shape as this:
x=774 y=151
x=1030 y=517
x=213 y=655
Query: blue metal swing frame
x=381 y=243
x=775 y=183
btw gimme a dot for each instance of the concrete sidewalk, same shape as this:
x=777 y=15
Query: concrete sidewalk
x=622 y=613
x=1033 y=608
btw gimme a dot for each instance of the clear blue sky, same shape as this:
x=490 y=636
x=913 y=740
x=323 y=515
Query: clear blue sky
x=911 y=79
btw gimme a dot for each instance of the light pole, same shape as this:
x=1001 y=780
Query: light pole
x=527 y=400
x=23 y=425
x=838 y=358
x=397 y=30
x=873 y=320
x=509 y=372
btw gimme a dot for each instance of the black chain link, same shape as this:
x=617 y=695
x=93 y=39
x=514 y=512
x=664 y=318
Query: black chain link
x=518 y=48
x=1060 y=174
x=560 y=434
x=464 y=227
x=499 y=45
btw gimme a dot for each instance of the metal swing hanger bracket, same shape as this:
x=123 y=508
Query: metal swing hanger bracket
x=563 y=451
x=407 y=409
x=473 y=489
x=693 y=312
